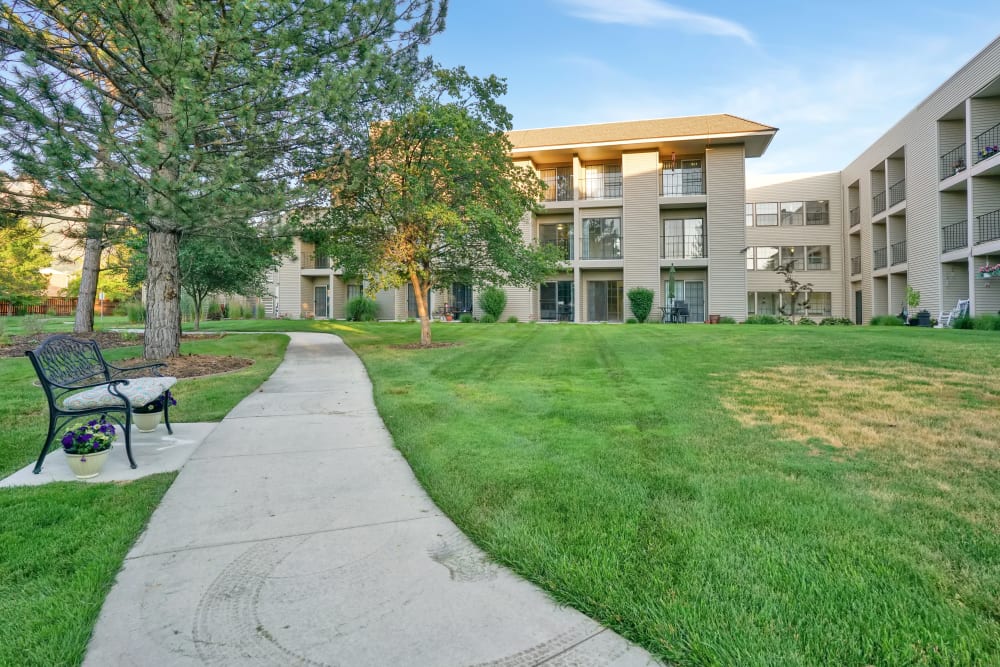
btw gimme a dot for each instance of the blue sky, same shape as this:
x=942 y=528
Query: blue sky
x=832 y=81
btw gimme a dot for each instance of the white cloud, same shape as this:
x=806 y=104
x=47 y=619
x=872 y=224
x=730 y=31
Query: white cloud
x=648 y=13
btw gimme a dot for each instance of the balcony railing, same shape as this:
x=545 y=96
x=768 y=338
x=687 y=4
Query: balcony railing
x=855 y=216
x=879 y=258
x=558 y=184
x=315 y=262
x=898 y=252
x=988 y=143
x=602 y=185
x=953 y=162
x=683 y=182
x=686 y=246
x=897 y=192
x=855 y=265
x=878 y=203
x=564 y=245
x=955 y=236
x=988 y=226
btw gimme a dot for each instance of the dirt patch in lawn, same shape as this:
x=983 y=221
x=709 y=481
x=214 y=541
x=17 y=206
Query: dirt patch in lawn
x=924 y=416
x=418 y=346
x=16 y=346
x=195 y=365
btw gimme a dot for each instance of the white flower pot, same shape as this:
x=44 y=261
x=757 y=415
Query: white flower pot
x=145 y=422
x=86 y=466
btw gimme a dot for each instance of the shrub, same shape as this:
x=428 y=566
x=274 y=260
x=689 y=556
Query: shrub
x=135 y=311
x=362 y=309
x=887 y=321
x=236 y=312
x=512 y=319
x=487 y=318
x=33 y=325
x=641 y=301
x=493 y=300
x=986 y=322
x=465 y=318
x=119 y=310
x=261 y=312
x=214 y=311
x=725 y=319
x=631 y=320
x=964 y=322
x=836 y=321
x=3 y=329
x=763 y=319
x=807 y=321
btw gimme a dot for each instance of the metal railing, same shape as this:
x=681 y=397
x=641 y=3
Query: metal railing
x=953 y=162
x=988 y=226
x=855 y=216
x=879 y=258
x=898 y=252
x=855 y=265
x=558 y=184
x=878 y=203
x=988 y=143
x=603 y=186
x=684 y=246
x=683 y=182
x=897 y=192
x=955 y=236
x=566 y=246
x=315 y=262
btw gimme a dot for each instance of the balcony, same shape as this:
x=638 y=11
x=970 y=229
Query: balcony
x=855 y=214
x=878 y=203
x=687 y=246
x=897 y=192
x=683 y=182
x=856 y=265
x=565 y=247
x=879 y=260
x=602 y=182
x=898 y=253
x=954 y=236
x=988 y=226
x=952 y=162
x=315 y=262
x=988 y=144
x=558 y=183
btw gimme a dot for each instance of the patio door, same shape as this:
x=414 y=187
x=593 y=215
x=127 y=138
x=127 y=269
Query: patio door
x=320 y=302
x=858 y=312
x=694 y=290
x=411 y=302
x=604 y=301
x=555 y=301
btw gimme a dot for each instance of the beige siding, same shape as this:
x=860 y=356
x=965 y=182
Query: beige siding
x=289 y=287
x=640 y=223
x=726 y=289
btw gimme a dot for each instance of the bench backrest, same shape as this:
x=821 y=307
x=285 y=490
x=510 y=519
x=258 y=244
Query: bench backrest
x=69 y=361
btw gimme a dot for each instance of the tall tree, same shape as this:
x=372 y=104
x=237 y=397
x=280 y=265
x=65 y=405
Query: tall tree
x=22 y=254
x=435 y=198
x=215 y=105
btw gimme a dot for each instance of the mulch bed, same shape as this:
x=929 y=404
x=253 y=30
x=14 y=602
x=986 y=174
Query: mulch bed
x=418 y=346
x=184 y=366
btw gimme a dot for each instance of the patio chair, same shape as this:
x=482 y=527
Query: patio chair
x=681 y=311
x=961 y=309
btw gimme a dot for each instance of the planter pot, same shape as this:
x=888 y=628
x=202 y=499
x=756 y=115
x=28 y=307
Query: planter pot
x=924 y=318
x=986 y=274
x=145 y=422
x=86 y=466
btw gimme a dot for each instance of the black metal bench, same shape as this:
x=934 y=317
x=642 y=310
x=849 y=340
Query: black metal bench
x=78 y=382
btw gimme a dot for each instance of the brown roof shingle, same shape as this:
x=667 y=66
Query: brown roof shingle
x=687 y=126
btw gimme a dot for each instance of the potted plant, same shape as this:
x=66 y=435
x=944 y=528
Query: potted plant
x=147 y=417
x=87 y=447
x=989 y=270
x=912 y=303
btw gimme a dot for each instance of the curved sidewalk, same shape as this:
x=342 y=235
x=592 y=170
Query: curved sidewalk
x=297 y=535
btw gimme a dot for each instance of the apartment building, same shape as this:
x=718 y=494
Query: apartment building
x=626 y=201
x=924 y=200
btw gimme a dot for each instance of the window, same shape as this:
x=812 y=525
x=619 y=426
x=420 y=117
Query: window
x=555 y=301
x=750 y=260
x=791 y=214
x=559 y=235
x=603 y=181
x=820 y=305
x=776 y=303
x=684 y=239
x=602 y=238
x=353 y=292
x=794 y=255
x=767 y=258
x=767 y=214
x=686 y=179
x=817 y=213
x=461 y=298
x=818 y=258
x=559 y=183
x=749 y=215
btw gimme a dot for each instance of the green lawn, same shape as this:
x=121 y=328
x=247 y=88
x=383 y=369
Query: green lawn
x=62 y=544
x=723 y=495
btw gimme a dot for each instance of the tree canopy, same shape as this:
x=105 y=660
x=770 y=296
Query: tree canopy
x=435 y=197
x=22 y=254
x=158 y=111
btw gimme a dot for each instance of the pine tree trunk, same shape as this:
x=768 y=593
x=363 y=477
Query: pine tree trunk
x=84 y=322
x=425 y=319
x=163 y=290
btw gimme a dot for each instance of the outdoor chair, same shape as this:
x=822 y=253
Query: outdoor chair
x=961 y=309
x=681 y=312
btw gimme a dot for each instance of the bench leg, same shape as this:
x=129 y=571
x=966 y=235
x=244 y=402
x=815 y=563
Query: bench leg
x=128 y=437
x=166 y=411
x=45 y=447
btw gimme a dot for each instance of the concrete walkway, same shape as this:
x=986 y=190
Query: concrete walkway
x=297 y=535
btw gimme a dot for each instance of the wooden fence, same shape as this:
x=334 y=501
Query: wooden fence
x=57 y=306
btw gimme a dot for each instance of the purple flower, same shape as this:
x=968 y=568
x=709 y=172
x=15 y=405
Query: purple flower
x=67 y=440
x=85 y=437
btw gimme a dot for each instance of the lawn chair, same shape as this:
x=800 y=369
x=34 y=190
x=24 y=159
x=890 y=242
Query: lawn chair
x=961 y=309
x=681 y=311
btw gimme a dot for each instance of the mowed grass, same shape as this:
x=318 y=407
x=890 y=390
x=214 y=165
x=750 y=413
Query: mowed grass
x=722 y=495
x=62 y=544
